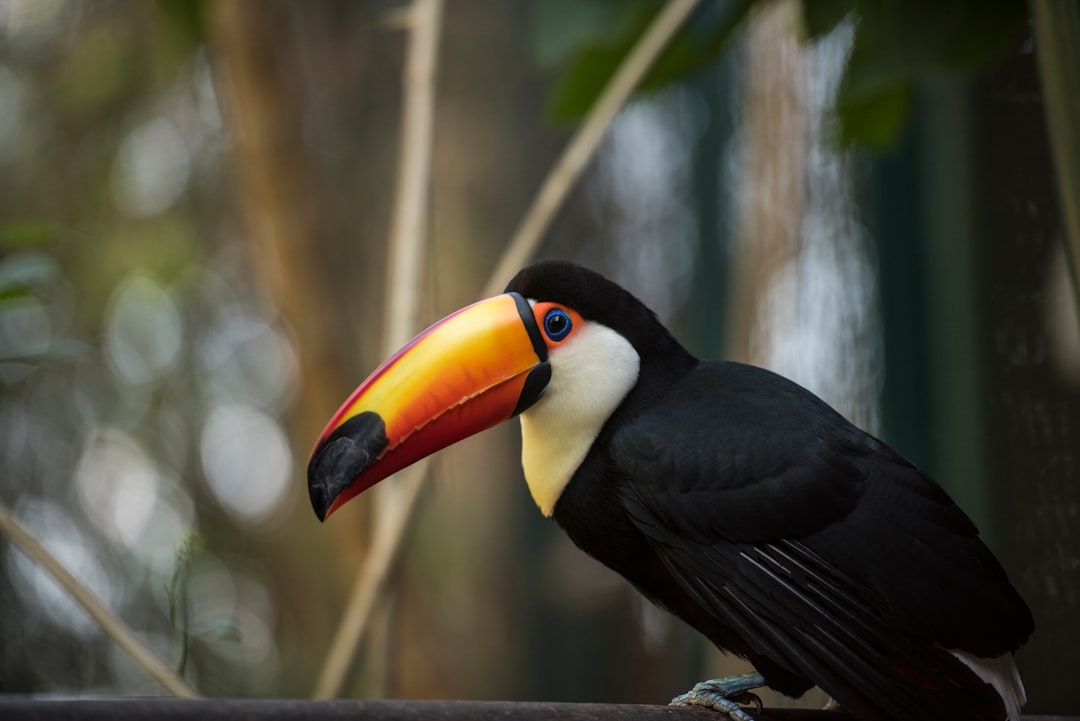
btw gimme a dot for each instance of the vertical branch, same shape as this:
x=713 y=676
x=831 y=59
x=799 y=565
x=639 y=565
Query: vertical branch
x=395 y=502
x=111 y=624
x=371 y=582
x=1057 y=39
x=414 y=176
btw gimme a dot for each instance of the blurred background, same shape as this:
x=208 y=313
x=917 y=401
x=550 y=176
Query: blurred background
x=194 y=209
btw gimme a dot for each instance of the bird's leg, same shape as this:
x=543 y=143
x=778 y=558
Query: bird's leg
x=726 y=695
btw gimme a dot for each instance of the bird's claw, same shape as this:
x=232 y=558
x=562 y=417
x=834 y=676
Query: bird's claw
x=726 y=695
x=746 y=698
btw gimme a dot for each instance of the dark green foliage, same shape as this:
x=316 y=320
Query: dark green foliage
x=26 y=234
x=29 y=276
x=896 y=45
x=619 y=26
x=187 y=18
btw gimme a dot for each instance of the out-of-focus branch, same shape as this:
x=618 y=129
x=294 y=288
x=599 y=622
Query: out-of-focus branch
x=410 y=220
x=582 y=147
x=111 y=624
x=394 y=502
x=390 y=533
x=1057 y=44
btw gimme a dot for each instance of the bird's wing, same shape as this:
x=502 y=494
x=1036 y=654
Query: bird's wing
x=826 y=551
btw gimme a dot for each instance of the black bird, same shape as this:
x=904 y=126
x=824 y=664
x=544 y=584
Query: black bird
x=728 y=495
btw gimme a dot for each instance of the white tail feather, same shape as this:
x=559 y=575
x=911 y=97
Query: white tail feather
x=1000 y=673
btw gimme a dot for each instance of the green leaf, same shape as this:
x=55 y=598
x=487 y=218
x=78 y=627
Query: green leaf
x=27 y=234
x=186 y=18
x=562 y=28
x=875 y=121
x=692 y=49
x=593 y=64
x=897 y=45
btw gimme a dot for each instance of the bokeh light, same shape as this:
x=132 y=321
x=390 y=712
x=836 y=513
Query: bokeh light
x=117 y=485
x=246 y=460
x=152 y=169
x=144 y=332
x=645 y=186
x=243 y=358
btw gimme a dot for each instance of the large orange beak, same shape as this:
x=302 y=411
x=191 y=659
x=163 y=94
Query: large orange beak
x=470 y=371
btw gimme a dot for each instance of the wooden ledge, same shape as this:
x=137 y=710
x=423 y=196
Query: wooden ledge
x=31 y=708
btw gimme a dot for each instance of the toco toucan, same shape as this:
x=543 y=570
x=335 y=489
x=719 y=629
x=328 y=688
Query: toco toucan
x=728 y=495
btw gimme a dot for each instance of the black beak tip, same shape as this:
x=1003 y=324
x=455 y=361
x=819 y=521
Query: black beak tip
x=322 y=495
x=346 y=453
x=325 y=478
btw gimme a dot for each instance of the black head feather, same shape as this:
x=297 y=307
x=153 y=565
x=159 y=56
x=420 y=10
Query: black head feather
x=599 y=300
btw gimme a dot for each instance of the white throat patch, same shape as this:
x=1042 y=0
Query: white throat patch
x=590 y=375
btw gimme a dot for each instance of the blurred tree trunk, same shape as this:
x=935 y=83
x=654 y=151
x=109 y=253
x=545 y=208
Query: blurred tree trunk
x=277 y=196
x=263 y=104
x=774 y=147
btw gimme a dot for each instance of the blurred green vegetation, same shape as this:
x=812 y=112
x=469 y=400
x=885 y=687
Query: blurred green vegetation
x=895 y=47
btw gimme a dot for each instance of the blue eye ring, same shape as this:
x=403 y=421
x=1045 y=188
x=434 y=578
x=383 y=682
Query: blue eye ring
x=557 y=324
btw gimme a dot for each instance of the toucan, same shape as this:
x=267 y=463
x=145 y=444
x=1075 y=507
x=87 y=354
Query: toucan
x=726 y=494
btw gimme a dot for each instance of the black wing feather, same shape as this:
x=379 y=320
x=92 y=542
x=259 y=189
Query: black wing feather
x=829 y=555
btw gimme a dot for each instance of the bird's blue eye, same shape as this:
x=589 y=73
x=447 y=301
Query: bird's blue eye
x=557 y=324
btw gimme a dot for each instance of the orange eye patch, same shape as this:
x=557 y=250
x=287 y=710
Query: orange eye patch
x=557 y=323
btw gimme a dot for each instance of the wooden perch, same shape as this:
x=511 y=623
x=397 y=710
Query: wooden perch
x=24 y=708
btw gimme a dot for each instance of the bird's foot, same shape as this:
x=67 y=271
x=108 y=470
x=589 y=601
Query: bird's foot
x=726 y=695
